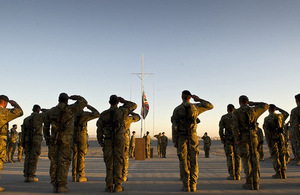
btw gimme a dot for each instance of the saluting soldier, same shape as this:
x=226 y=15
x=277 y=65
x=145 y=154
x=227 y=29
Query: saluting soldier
x=81 y=142
x=6 y=115
x=273 y=126
x=184 y=126
x=164 y=144
x=158 y=137
x=60 y=139
x=13 y=137
x=132 y=145
x=32 y=130
x=226 y=135
x=245 y=134
x=295 y=129
x=147 y=144
x=111 y=136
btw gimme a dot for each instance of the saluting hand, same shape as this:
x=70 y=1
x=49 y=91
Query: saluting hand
x=13 y=103
x=74 y=97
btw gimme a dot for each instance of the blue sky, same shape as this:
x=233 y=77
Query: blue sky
x=218 y=50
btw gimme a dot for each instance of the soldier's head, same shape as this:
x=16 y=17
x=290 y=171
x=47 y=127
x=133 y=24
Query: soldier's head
x=36 y=108
x=163 y=133
x=243 y=100
x=133 y=132
x=3 y=100
x=272 y=108
x=198 y=121
x=257 y=124
x=159 y=134
x=15 y=126
x=205 y=133
x=113 y=100
x=147 y=132
x=63 y=97
x=297 y=98
x=186 y=96
x=230 y=108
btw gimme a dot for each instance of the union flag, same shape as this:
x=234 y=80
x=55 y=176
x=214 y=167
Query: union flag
x=145 y=106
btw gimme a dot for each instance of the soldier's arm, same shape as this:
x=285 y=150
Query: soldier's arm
x=127 y=107
x=135 y=117
x=14 y=112
x=100 y=133
x=203 y=105
x=284 y=113
x=259 y=107
x=221 y=129
x=79 y=104
x=46 y=129
x=174 y=129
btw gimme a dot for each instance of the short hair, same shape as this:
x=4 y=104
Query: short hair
x=272 y=107
x=297 y=97
x=230 y=107
x=243 y=99
x=133 y=131
x=4 y=98
x=63 y=97
x=113 y=99
x=147 y=132
x=36 y=108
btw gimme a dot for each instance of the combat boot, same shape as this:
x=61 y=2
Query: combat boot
x=124 y=179
x=109 y=189
x=237 y=177
x=283 y=174
x=231 y=178
x=32 y=179
x=82 y=179
x=277 y=175
x=62 y=189
x=118 y=188
x=185 y=189
x=248 y=186
x=193 y=188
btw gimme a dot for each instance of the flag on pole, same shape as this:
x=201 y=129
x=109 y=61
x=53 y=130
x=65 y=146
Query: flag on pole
x=145 y=106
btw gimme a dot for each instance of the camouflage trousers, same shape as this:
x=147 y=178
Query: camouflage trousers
x=80 y=149
x=163 y=150
x=132 y=151
x=250 y=159
x=206 y=149
x=113 y=154
x=260 y=150
x=278 y=155
x=287 y=152
x=187 y=152
x=11 y=150
x=126 y=158
x=233 y=159
x=159 y=150
x=32 y=154
x=147 y=148
x=20 y=152
x=60 y=156
x=3 y=149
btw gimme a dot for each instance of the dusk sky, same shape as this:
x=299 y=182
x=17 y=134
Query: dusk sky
x=218 y=49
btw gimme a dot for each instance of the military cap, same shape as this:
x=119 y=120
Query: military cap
x=4 y=97
x=36 y=107
x=113 y=99
x=186 y=92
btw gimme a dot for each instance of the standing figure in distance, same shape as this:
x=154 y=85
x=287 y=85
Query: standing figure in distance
x=273 y=126
x=260 y=147
x=184 y=134
x=81 y=142
x=13 y=137
x=111 y=136
x=245 y=135
x=226 y=135
x=207 y=144
x=164 y=144
x=6 y=115
x=158 y=137
x=132 y=145
x=60 y=139
x=295 y=129
x=133 y=117
x=147 y=144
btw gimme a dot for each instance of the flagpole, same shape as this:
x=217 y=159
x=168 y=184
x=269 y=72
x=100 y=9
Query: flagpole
x=142 y=94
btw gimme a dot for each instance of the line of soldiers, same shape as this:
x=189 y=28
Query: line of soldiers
x=14 y=138
x=162 y=143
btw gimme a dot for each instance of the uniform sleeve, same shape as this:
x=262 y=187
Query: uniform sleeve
x=100 y=132
x=87 y=116
x=78 y=105
x=174 y=127
x=127 y=108
x=221 y=127
x=260 y=108
x=203 y=106
x=46 y=129
x=135 y=117
x=13 y=113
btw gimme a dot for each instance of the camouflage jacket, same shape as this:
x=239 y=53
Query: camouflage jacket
x=32 y=126
x=245 y=119
x=13 y=137
x=226 y=123
x=180 y=125
x=132 y=141
x=112 y=120
x=7 y=115
x=147 y=139
x=206 y=140
x=295 y=122
x=164 y=140
x=133 y=117
x=158 y=137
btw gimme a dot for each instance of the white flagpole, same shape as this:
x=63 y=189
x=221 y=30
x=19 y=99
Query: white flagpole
x=142 y=95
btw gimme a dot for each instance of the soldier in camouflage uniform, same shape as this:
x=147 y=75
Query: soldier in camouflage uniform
x=132 y=145
x=273 y=127
x=286 y=133
x=20 y=148
x=295 y=129
x=133 y=117
x=147 y=144
x=245 y=134
x=164 y=144
x=32 y=130
x=111 y=136
x=6 y=115
x=226 y=135
x=206 y=144
x=13 y=137
x=60 y=140
x=184 y=126
x=158 y=137
x=260 y=146
x=80 y=142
